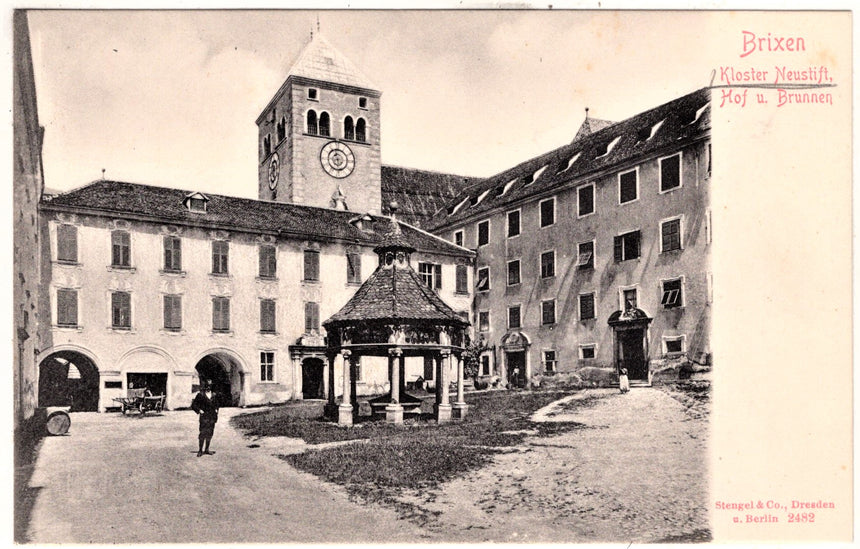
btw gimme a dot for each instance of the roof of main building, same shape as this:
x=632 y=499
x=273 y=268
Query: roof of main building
x=166 y=205
x=590 y=152
x=420 y=193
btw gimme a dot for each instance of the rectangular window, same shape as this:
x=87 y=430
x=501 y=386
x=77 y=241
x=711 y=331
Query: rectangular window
x=585 y=255
x=485 y=365
x=587 y=351
x=312 y=94
x=585 y=198
x=483 y=283
x=267 y=366
x=514 y=320
x=547 y=264
x=549 y=361
x=312 y=317
x=120 y=305
x=547 y=212
x=629 y=299
x=67 y=307
x=172 y=253
x=586 y=306
x=267 y=316
x=670 y=235
x=458 y=238
x=353 y=268
x=268 y=261
x=674 y=345
x=311 y=266
x=513 y=223
x=628 y=186
x=220 y=314
x=672 y=294
x=431 y=274
x=462 y=279
x=484 y=321
x=362 y=102
x=484 y=233
x=220 y=256
x=120 y=249
x=547 y=312
x=670 y=173
x=627 y=246
x=173 y=312
x=513 y=272
x=67 y=243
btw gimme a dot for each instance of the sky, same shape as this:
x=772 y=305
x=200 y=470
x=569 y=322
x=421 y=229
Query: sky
x=171 y=97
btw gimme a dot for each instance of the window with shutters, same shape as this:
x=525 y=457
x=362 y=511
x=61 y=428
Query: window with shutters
x=585 y=200
x=268 y=258
x=585 y=255
x=312 y=317
x=670 y=235
x=220 y=257
x=627 y=246
x=172 y=254
x=267 y=316
x=353 y=268
x=67 y=308
x=514 y=318
x=628 y=186
x=629 y=298
x=513 y=223
x=549 y=361
x=547 y=312
x=220 y=314
x=670 y=173
x=120 y=249
x=673 y=294
x=483 y=233
x=431 y=275
x=120 y=304
x=484 y=321
x=462 y=275
x=311 y=270
x=513 y=272
x=547 y=212
x=458 y=238
x=483 y=282
x=586 y=306
x=547 y=264
x=267 y=366
x=67 y=243
x=173 y=313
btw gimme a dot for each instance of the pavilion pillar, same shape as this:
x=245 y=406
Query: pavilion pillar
x=443 y=406
x=394 y=410
x=353 y=376
x=460 y=408
x=330 y=407
x=344 y=411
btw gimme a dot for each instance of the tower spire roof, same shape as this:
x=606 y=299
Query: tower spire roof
x=320 y=60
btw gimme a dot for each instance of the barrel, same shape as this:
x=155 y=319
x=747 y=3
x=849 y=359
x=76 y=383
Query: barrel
x=58 y=422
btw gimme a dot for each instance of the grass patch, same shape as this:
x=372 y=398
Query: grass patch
x=695 y=395
x=418 y=455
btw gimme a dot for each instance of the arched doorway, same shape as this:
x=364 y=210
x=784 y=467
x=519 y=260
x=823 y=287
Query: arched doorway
x=69 y=378
x=515 y=346
x=631 y=342
x=226 y=374
x=312 y=378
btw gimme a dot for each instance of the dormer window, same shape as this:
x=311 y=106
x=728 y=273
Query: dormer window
x=648 y=133
x=610 y=146
x=362 y=102
x=312 y=94
x=507 y=187
x=570 y=162
x=196 y=202
x=531 y=179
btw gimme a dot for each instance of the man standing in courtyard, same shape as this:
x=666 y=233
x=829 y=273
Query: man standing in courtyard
x=205 y=406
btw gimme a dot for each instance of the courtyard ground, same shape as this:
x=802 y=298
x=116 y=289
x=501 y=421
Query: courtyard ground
x=634 y=470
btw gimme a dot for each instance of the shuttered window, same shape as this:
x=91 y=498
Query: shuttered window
x=220 y=314
x=268 y=262
x=67 y=307
x=311 y=266
x=462 y=279
x=267 y=315
x=173 y=312
x=172 y=253
x=120 y=249
x=312 y=317
x=121 y=310
x=220 y=256
x=67 y=243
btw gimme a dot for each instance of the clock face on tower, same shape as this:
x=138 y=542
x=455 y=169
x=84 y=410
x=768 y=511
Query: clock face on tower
x=274 y=166
x=337 y=159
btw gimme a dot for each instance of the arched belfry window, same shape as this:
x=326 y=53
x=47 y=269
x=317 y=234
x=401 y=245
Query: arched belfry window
x=282 y=129
x=348 y=128
x=325 y=124
x=312 y=122
x=361 y=130
x=267 y=146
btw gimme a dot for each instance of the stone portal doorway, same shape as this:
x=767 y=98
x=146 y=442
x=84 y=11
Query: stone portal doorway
x=631 y=353
x=312 y=378
x=516 y=361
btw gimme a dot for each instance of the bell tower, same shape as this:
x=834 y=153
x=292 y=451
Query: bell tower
x=319 y=136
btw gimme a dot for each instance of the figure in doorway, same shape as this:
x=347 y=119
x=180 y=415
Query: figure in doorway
x=205 y=405
x=623 y=382
x=515 y=377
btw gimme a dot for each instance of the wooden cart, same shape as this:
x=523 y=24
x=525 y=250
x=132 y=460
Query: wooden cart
x=136 y=400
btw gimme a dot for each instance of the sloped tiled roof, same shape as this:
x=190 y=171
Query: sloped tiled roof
x=684 y=118
x=165 y=205
x=395 y=295
x=320 y=60
x=590 y=126
x=420 y=193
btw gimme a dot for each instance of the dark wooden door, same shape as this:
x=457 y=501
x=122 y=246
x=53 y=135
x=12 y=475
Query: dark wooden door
x=312 y=378
x=517 y=368
x=631 y=353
